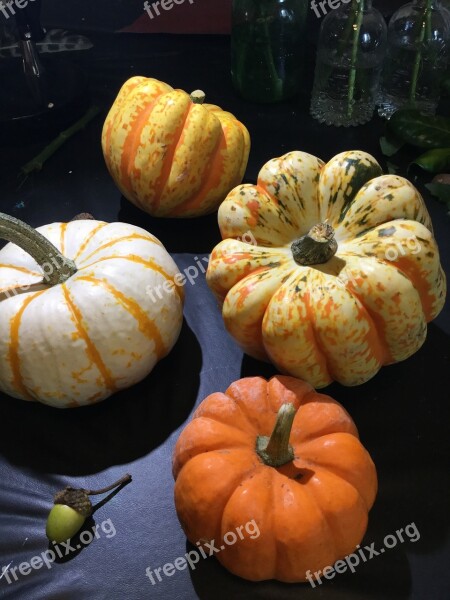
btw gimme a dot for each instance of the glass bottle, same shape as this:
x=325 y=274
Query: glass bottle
x=267 y=48
x=351 y=48
x=418 y=49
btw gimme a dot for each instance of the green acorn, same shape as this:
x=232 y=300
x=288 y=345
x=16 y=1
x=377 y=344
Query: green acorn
x=71 y=508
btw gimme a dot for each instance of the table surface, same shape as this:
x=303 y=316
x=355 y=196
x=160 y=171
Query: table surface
x=402 y=414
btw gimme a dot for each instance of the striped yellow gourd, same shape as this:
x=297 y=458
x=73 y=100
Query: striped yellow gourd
x=170 y=154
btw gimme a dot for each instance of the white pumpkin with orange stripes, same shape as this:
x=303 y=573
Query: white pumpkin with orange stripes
x=77 y=321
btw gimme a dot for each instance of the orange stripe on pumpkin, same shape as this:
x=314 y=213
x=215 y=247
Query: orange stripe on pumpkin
x=91 y=351
x=88 y=238
x=21 y=269
x=13 y=354
x=243 y=291
x=231 y=259
x=412 y=270
x=213 y=178
x=160 y=184
x=320 y=353
x=132 y=236
x=146 y=325
x=131 y=145
x=149 y=263
x=261 y=188
x=376 y=336
x=62 y=237
x=110 y=122
x=130 y=148
x=253 y=207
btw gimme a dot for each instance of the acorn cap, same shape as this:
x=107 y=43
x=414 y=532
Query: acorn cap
x=76 y=499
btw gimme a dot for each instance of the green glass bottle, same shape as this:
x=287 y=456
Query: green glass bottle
x=267 y=48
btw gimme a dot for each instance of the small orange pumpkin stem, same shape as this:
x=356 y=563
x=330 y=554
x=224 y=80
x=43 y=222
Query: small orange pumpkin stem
x=316 y=247
x=276 y=450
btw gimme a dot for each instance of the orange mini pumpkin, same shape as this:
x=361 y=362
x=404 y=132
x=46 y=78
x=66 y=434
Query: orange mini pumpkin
x=169 y=153
x=308 y=487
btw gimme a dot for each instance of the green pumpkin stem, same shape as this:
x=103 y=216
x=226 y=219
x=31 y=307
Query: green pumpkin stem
x=275 y=451
x=57 y=268
x=316 y=247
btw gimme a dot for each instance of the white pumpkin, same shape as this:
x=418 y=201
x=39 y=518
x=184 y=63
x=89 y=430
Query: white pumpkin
x=102 y=329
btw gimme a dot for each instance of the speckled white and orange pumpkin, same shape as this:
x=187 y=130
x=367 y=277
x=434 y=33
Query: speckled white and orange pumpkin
x=100 y=331
x=343 y=274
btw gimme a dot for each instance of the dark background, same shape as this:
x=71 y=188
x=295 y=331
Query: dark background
x=203 y=16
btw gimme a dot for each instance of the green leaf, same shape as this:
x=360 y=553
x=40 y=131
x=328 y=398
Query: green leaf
x=441 y=191
x=420 y=130
x=390 y=145
x=434 y=161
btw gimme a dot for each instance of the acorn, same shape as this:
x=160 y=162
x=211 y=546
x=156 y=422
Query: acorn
x=72 y=506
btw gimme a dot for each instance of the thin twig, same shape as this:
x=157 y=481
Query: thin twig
x=122 y=481
x=36 y=163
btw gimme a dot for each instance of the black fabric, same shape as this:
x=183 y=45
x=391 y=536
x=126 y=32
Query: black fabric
x=402 y=414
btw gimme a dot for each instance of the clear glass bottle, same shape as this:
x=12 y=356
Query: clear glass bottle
x=351 y=48
x=417 y=58
x=267 y=48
